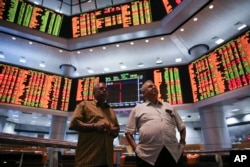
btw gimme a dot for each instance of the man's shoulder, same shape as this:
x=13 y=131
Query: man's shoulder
x=140 y=105
x=86 y=102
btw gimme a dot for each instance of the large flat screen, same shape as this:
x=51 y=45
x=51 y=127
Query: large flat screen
x=224 y=69
x=31 y=16
x=33 y=88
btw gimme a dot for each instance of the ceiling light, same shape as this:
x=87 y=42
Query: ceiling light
x=240 y=26
x=22 y=59
x=178 y=60
x=104 y=47
x=232 y=120
x=131 y=43
x=91 y=50
x=14 y=38
x=235 y=110
x=2 y=55
x=162 y=38
x=60 y=50
x=42 y=64
x=218 y=40
x=211 y=6
x=90 y=70
x=78 y=52
x=140 y=65
x=158 y=61
x=146 y=40
x=117 y=45
x=182 y=29
x=106 y=69
x=76 y=73
x=30 y=42
x=195 y=19
x=122 y=66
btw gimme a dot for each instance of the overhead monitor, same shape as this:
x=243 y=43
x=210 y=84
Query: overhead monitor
x=224 y=69
x=31 y=16
x=33 y=88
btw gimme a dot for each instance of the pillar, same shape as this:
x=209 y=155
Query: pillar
x=58 y=127
x=67 y=70
x=59 y=123
x=214 y=128
x=198 y=50
x=3 y=119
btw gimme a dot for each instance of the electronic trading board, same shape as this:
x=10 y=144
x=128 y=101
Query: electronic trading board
x=224 y=69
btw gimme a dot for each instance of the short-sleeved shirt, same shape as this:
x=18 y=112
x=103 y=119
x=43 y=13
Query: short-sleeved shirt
x=94 y=148
x=157 y=126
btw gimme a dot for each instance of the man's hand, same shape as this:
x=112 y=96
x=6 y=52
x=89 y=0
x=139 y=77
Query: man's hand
x=113 y=131
x=101 y=127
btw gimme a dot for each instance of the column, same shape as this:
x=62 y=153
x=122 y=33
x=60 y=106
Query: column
x=58 y=127
x=198 y=50
x=214 y=128
x=3 y=119
x=67 y=70
x=59 y=123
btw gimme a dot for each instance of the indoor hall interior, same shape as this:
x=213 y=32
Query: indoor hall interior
x=192 y=30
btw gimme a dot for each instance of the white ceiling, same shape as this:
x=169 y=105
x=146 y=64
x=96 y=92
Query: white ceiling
x=219 y=21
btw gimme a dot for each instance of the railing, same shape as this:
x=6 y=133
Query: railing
x=47 y=151
x=50 y=152
x=32 y=141
x=53 y=151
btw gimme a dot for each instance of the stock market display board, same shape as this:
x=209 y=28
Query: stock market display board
x=34 y=89
x=31 y=16
x=224 y=69
x=124 y=15
x=124 y=88
x=85 y=88
x=120 y=16
x=168 y=82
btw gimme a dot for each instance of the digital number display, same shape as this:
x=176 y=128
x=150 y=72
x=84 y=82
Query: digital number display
x=168 y=82
x=137 y=12
x=85 y=88
x=34 y=89
x=224 y=69
x=120 y=16
x=124 y=89
x=31 y=16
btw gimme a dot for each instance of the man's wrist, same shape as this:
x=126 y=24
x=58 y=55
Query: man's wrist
x=183 y=141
